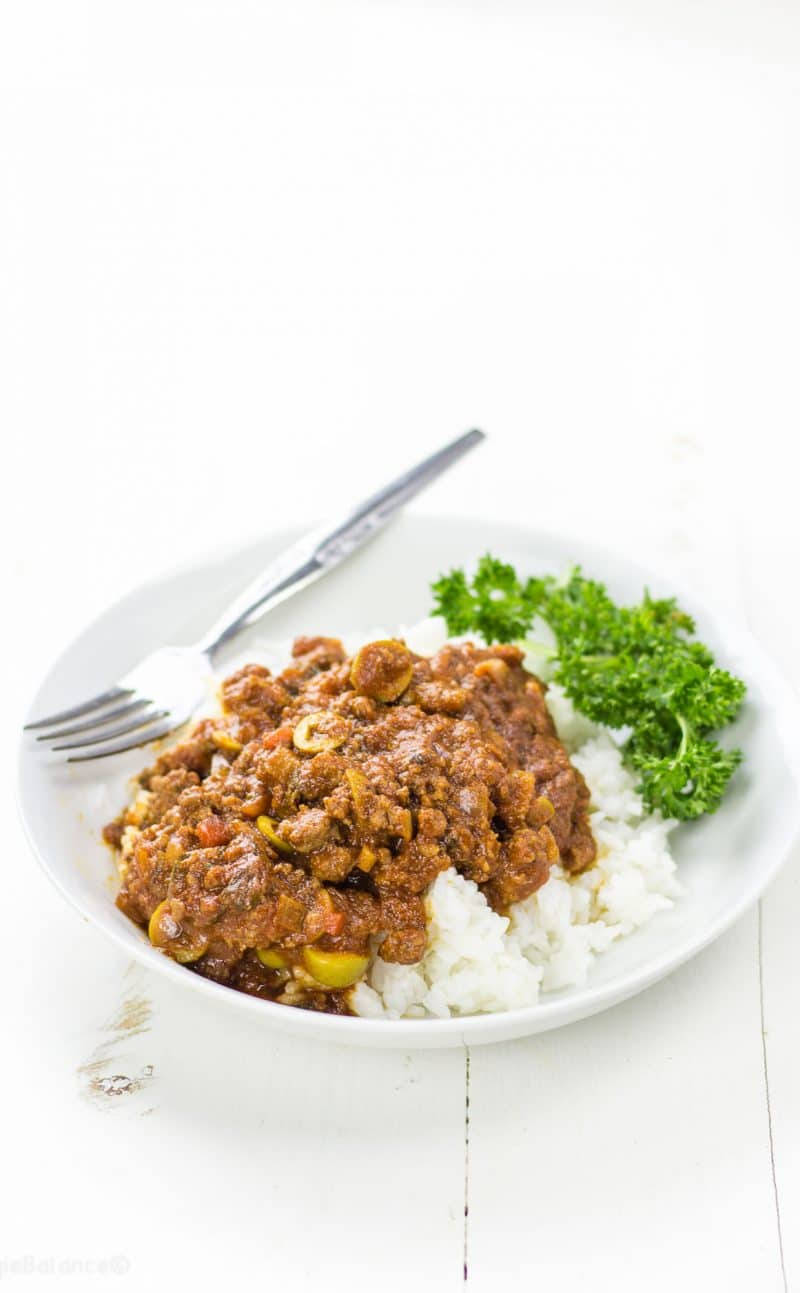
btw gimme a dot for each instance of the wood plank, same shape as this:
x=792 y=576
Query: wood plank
x=630 y=1150
x=776 y=620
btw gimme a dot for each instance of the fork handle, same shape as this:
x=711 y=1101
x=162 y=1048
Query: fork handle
x=281 y=578
x=324 y=548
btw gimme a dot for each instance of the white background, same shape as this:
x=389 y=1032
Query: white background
x=304 y=243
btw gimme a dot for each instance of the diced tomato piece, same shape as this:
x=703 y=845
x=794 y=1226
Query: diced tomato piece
x=211 y=832
x=281 y=736
x=333 y=922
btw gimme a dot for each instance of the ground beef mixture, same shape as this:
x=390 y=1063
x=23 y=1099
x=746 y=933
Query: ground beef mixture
x=273 y=843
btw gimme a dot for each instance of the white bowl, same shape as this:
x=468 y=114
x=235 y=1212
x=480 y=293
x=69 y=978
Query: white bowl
x=725 y=861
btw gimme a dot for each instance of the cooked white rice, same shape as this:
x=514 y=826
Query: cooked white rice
x=478 y=961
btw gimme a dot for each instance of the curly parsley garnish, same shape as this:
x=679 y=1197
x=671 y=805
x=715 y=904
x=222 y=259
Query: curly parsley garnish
x=632 y=667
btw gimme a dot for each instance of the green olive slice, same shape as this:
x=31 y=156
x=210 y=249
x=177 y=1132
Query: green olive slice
x=334 y=969
x=267 y=827
x=382 y=670
x=167 y=932
x=320 y=731
x=272 y=958
x=224 y=741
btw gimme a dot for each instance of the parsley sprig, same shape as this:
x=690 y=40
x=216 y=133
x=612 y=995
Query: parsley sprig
x=634 y=667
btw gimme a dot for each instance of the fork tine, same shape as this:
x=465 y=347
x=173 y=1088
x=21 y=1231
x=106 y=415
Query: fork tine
x=125 y=743
x=142 y=719
x=77 y=711
x=119 y=711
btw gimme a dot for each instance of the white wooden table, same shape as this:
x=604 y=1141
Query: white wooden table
x=323 y=237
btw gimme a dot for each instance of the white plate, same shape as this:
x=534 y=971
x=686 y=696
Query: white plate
x=725 y=861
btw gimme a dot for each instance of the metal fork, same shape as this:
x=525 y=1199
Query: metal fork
x=161 y=693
